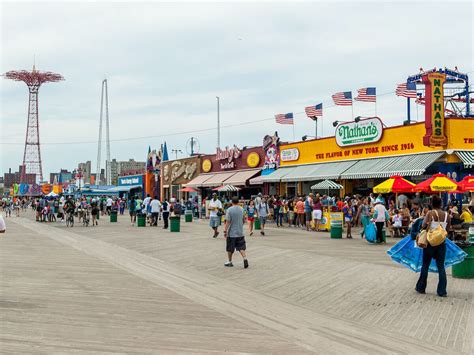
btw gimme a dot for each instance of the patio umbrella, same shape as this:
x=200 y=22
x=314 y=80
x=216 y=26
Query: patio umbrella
x=226 y=188
x=327 y=185
x=467 y=184
x=396 y=184
x=437 y=183
x=188 y=189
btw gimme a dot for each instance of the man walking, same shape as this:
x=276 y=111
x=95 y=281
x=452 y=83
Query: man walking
x=234 y=232
x=155 y=211
x=215 y=208
x=165 y=210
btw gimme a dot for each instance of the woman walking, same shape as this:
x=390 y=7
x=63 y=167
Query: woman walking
x=251 y=216
x=434 y=218
x=317 y=212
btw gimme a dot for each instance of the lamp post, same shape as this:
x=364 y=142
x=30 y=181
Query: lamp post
x=218 y=123
x=176 y=151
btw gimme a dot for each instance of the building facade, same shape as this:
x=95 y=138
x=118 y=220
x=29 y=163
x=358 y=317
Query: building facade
x=14 y=178
x=85 y=169
x=116 y=168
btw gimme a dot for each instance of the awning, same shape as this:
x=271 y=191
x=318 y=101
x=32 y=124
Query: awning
x=199 y=180
x=406 y=165
x=240 y=177
x=124 y=188
x=327 y=185
x=258 y=180
x=277 y=175
x=467 y=157
x=218 y=179
x=315 y=172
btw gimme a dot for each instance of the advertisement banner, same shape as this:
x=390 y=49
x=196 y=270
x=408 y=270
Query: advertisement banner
x=434 y=110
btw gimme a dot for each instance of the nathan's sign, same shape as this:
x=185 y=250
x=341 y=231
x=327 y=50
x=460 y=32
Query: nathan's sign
x=434 y=110
x=362 y=132
x=228 y=156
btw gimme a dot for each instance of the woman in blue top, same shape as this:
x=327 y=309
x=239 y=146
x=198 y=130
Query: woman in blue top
x=250 y=215
x=347 y=211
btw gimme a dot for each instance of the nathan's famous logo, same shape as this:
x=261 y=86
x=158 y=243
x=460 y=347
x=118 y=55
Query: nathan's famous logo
x=362 y=132
x=434 y=109
x=230 y=155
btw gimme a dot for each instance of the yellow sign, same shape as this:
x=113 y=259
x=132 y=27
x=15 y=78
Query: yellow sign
x=206 y=165
x=400 y=140
x=253 y=159
x=434 y=110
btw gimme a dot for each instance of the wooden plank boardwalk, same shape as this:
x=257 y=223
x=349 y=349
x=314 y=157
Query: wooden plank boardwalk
x=122 y=289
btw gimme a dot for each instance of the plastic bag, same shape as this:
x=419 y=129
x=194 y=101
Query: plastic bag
x=371 y=233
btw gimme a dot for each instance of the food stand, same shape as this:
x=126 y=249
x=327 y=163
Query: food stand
x=328 y=215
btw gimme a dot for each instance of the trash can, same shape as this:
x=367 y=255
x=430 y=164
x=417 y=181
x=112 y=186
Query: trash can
x=141 y=220
x=465 y=269
x=188 y=216
x=113 y=216
x=175 y=224
x=257 y=224
x=336 y=229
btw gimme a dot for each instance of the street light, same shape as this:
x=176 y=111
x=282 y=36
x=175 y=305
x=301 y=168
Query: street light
x=176 y=151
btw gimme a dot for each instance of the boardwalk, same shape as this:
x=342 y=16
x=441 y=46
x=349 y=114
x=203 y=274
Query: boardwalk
x=118 y=288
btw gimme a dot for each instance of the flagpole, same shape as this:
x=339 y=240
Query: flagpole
x=375 y=105
x=352 y=107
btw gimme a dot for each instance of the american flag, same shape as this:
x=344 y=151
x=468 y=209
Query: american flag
x=284 y=118
x=406 y=90
x=314 y=111
x=366 y=95
x=343 y=98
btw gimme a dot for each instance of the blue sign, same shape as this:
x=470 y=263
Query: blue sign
x=130 y=180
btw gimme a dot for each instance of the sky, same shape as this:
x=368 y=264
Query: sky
x=165 y=63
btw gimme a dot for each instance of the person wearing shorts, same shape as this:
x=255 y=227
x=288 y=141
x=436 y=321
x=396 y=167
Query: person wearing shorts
x=347 y=211
x=308 y=210
x=234 y=232
x=262 y=211
x=317 y=213
x=251 y=216
x=215 y=207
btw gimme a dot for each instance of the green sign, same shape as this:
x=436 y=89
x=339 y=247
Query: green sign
x=362 y=132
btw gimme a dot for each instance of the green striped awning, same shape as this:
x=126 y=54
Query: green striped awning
x=467 y=157
x=327 y=185
x=406 y=165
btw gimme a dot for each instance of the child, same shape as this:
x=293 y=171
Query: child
x=347 y=211
x=396 y=224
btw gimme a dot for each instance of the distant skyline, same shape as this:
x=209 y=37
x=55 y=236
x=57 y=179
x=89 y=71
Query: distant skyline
x=166 y=62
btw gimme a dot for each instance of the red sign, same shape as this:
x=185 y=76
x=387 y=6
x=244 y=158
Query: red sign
x=229 y=155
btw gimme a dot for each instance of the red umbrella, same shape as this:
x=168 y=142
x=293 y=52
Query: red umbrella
x=396 y=184
x=437 y=183
x=188 y=189
x=467 y=184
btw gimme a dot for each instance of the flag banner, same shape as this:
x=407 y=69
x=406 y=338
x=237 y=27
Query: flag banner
x=284 y=118
x=343 y=98
x=406 y=90
x=314 y=111
x=366 y=95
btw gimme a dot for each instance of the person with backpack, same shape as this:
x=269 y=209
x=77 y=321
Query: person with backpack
x=262 y=213
x=165 y=211
x=436 y=222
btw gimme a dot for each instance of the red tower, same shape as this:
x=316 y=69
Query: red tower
x=32 y=154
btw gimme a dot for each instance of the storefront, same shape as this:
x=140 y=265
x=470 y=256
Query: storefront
x=364 y=152
x=175 y=174
x=130 y=185
x=230 y=166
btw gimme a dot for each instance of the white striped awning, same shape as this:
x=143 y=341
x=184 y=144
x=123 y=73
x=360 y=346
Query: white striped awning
x=240 y=177
x=314 y=172
x=327 y=185
x=199 y=180
x=278 y=174
x=226 y=188
x=405 y=165
x=467 y=157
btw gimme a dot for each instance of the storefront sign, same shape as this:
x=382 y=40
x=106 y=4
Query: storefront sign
x=291 y=154
x=271 y=148
x=228 y=156
x=362 y=132
x=253 y=159
x=434 y=110
x=130 y=180
x=206 y=165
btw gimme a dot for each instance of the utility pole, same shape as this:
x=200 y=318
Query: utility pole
x=218 y=123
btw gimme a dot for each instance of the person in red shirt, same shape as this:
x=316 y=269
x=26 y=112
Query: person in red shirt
x=339 y=204
x=300 y=213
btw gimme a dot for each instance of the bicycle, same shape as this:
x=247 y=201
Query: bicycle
x=70 y=220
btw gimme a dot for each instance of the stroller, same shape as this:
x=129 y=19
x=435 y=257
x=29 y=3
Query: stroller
x=86 y=217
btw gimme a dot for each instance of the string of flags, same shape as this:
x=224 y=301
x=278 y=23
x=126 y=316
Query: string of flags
x=344 y=98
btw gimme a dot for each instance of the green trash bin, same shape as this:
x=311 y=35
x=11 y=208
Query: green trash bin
x=336 y=229
x=141 y=220
x=188 y=216
x=113 y=216
x=175 y=224
x=465 y=270
x=257 y=225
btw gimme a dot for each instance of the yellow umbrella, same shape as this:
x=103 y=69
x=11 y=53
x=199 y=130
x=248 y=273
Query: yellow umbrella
x=437 y=183
x=396 y=184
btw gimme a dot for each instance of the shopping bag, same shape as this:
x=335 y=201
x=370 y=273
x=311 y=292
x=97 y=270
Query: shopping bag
x=422 y=239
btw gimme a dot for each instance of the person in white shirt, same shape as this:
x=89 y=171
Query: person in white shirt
x=155 y=211
x=3 y=226
x=215 y=210
x=109 y=203
x=381 y=218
